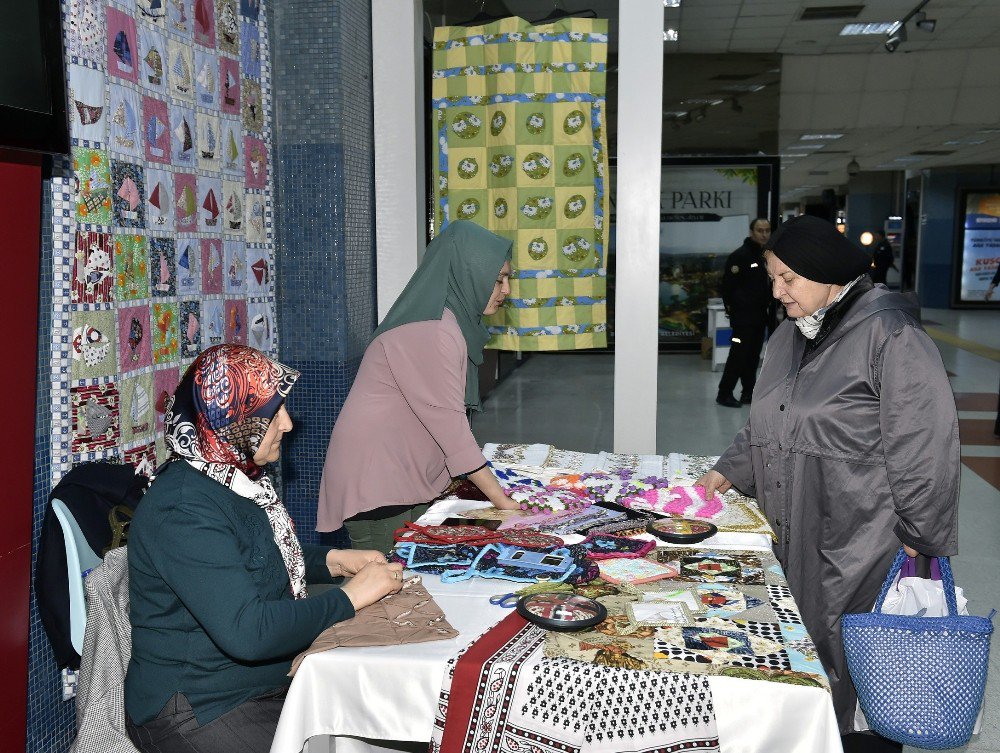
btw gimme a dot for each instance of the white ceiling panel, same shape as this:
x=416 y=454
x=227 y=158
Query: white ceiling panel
x=930 y=106
x=978 y=106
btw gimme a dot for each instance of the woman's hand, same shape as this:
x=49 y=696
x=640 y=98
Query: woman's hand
x=506 y=503
x=713 y=482
x=488 y=485
x=373 y=581
x=349 y=561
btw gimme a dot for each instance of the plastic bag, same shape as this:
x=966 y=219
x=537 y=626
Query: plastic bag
x=921 y=597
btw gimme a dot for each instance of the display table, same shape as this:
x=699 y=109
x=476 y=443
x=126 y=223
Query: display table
x=391 y=692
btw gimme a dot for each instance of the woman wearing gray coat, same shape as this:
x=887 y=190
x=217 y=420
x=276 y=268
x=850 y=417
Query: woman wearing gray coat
x=852 y=444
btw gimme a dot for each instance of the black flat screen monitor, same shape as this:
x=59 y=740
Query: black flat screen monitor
x=32 y=79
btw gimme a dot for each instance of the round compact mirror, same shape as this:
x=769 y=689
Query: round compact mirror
x=681 y=530
x=561 y=611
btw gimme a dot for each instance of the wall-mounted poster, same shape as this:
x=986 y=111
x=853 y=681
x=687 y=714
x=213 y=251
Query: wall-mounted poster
x=979 y=244
x=705 y=213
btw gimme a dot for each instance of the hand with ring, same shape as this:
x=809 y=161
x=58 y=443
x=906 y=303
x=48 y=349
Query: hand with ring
x=373 y=581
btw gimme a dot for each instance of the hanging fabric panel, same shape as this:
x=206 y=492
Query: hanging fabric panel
x=161 y=222
x=520 y=148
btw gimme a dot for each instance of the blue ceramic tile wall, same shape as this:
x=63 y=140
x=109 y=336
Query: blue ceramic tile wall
x=321 y=55
x=50 y=722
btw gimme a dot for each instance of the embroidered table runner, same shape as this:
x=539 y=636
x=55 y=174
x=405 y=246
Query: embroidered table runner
x=501 y=694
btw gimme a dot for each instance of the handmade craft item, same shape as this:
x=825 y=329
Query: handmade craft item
x=536 y=500
x=634 y=571
x=776 y=650
x=410 y=616
x=681 y=530
x=604 y=546
x=561 y=611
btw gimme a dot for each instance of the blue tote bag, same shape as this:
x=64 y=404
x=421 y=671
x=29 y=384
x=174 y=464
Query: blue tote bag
x=920 y=680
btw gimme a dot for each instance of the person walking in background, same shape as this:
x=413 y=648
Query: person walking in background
x=746 y=294
x=989 y=294
x=882 y=259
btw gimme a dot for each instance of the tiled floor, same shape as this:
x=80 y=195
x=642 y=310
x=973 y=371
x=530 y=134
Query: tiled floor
x=566 y=400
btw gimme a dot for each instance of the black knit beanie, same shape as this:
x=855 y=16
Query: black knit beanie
x=816 y=250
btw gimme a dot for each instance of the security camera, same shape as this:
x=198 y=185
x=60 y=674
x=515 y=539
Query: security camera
x=895 y=36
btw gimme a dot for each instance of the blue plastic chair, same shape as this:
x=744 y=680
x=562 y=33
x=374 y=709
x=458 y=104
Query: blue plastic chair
x=80 y=558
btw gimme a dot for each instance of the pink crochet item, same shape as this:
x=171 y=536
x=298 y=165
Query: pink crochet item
x=696 y=494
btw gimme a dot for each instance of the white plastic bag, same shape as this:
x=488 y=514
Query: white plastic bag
x=921 y=597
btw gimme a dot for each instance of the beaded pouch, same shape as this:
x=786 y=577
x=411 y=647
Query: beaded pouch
x=496 y=561
x=419 y=534
x=433 y=559
x=604 y=546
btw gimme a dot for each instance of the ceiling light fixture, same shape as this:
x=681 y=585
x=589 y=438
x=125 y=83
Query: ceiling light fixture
x=895 y=36
x=924 y=23
x=670 y=35
x=671 y=3
x=897 y=32
x=855 y=30
x=853 y=168
x=820 y=136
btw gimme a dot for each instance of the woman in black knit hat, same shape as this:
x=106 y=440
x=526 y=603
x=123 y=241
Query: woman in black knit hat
x=852 y=445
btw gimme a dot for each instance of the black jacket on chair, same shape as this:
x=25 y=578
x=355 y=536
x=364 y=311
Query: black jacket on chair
x=89 y=491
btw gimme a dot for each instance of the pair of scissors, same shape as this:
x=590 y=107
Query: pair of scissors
x=507 y=600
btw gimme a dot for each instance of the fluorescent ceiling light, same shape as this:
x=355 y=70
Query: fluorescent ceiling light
x=820 y=136
x=854 y=30
x=748 y=88
x=670 y=35
x=702 y=101
x=671 y=3
x=988 y=130
x=806 y=147
x=972 y=142
x=908 y=159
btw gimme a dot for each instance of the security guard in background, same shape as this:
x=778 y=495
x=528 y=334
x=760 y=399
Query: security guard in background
x=746 y=293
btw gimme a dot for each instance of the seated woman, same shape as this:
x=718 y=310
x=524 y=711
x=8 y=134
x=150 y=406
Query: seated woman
x=217 y=577
x=403 y=433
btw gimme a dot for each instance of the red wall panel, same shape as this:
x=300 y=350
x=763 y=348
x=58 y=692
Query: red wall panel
x=20 y=226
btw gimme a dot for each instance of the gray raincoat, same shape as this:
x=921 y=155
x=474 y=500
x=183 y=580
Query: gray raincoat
x=849 y=454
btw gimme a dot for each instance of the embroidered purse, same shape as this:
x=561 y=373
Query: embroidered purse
x=498 y=561
x=603 y=546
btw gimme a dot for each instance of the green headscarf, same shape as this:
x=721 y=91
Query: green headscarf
x=459 y=272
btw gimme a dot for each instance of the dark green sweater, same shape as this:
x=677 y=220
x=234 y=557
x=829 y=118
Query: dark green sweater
x=210 y=603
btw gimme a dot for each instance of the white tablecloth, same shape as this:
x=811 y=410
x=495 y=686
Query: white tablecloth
x=390 y=692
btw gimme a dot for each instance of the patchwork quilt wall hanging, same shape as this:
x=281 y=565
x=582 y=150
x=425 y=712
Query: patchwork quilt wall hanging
x=162 y=216
x=520 y=147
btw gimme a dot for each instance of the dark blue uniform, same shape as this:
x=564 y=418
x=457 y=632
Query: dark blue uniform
x=746 y=293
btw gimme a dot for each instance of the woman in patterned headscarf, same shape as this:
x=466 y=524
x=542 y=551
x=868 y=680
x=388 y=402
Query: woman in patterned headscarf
x=217 y=576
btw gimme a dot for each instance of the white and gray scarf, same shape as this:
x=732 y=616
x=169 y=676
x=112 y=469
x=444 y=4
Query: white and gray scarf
x=264 y=496
x=810 y=325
